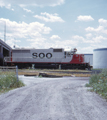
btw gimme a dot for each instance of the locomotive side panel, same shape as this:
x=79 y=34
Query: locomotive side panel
x=20 y=56
x=77 y=59
x=38 y=55
x=46 y=55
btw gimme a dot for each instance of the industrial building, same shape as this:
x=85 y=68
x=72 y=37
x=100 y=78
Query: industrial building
x=5 y=51
x=100 y=58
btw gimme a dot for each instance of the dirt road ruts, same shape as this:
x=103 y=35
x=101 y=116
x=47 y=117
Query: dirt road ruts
x=64 y=98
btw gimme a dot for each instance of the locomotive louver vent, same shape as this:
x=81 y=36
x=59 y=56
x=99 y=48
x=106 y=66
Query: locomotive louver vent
x=21 y=51
x=57 y=50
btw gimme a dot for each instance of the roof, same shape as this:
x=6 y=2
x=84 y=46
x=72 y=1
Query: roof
x=100 y=49
x=4 y=44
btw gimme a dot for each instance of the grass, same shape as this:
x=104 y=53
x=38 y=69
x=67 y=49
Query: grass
x=98 y=83
x=8 y=81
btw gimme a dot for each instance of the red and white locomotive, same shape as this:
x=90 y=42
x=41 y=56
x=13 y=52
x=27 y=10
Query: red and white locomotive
x=47 y=58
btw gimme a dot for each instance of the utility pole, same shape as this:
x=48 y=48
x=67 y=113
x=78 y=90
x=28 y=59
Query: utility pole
x=4 y=30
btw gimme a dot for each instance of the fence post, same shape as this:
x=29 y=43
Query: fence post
x=17 y=73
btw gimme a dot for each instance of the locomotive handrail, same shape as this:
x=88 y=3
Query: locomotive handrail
x=10 y=59
x=7 y=59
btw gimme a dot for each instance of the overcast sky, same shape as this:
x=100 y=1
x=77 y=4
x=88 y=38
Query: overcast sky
x=67 y=24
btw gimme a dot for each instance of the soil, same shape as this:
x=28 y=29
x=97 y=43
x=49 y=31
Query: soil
x=64 y=98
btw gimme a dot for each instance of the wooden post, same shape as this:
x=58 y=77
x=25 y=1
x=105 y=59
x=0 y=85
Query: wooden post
x=17 y=73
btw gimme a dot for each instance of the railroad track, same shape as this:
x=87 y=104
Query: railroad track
x=59 y=72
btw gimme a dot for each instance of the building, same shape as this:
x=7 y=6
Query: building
x=5 y=51
x=100 y=58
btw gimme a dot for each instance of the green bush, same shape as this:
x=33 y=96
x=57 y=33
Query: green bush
x=9 y=81
x=94 y=79
x=99 y=83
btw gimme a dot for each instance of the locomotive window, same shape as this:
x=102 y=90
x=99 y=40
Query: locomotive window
x=64 y=53
x=57 y=50
x=69 y=54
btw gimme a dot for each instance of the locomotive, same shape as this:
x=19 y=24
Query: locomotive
x=47 y=58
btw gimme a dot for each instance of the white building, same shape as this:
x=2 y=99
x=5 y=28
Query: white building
x=100 y=58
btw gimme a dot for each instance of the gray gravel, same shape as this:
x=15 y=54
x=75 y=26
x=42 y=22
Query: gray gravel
x=52 y=99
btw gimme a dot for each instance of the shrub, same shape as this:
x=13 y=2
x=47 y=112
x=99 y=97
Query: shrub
x=9 y=81
x=99 y=83
x=94 y=79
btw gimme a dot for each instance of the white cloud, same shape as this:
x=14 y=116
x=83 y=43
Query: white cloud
x=2 y=4
x=99 y=38
x=32 y=2
x=24 y=15
x=7 y=5
x=77 y=37
x=96 y=39
x=55 y=37
x=27 y=10
x=103 y=22
x=23 y=30
x=37 y=39
x=12 y=42
x=83 y=50
x=49 y=17
x=91 y=29
x=66 y=44
x=85 y=18
x=89 y=35
x=99 y=30
x=89 y=49
x=54 y=44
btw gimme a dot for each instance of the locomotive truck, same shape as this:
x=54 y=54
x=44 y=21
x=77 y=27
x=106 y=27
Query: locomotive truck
x=47 y=58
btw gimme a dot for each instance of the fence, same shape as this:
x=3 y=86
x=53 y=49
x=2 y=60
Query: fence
x=5 y=69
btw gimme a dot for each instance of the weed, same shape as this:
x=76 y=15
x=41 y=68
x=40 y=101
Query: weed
x=99 y=83
x=9 y=81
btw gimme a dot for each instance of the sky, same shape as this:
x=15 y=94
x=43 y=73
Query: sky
x=43 y=24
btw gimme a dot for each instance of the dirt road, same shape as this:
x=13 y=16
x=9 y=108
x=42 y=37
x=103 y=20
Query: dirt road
x=52 y=99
